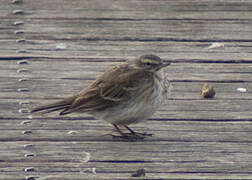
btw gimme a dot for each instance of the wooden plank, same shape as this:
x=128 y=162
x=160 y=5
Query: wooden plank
x=51 y=50
x=186 y=81
x=87 y=69
x=191 y=155
x=135 y=9
x=119 y=176
x=149 y=30
x=176 y=51
x=43 y=32
x=91 y=130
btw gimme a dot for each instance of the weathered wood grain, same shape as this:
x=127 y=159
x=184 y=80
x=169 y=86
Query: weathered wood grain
x=236 y=52
x=49 y=50
x=119 y=29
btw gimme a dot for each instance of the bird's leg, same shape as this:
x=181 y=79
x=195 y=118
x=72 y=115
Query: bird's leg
x=119 y=130
x=127 y=136
x=136 y=133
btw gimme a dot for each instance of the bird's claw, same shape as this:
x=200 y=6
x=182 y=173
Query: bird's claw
x=130 y=136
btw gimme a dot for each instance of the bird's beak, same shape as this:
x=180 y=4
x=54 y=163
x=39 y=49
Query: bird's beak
x=164 y=64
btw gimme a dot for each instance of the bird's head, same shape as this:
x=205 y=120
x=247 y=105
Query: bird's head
x=149 y=62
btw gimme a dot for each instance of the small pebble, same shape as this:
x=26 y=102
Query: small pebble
x=242 y=90
x=216 y=45
x=207 y=91
x=61 y=46
x=139 y=173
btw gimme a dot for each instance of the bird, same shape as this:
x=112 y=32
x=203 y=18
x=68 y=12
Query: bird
x=127 y=93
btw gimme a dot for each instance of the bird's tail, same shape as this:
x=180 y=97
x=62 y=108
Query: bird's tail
x=60 y=105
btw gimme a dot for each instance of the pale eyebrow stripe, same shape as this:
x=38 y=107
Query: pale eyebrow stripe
x=150 y=61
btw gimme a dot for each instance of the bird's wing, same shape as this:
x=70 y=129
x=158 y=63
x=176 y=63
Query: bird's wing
x=113 y=86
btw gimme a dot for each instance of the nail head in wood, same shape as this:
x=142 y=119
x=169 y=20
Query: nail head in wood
x=18 y=11
x=18 y=23
x=17 y=1
x=27 y=132
x=23 y=62
x=29 y=169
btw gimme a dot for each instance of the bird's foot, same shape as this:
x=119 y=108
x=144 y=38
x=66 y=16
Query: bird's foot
x=142 y=134
x=131 y=136
x=136 y=133
x=128 y=137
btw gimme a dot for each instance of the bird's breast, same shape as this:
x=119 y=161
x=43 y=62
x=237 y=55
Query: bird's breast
x=141 y=104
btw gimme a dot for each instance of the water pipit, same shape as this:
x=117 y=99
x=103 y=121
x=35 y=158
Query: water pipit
x=125 y=94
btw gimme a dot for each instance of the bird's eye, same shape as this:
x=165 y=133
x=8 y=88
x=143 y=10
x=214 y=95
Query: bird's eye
x=148 y=63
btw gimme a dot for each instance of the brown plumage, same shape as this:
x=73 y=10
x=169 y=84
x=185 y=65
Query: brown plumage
x=118 y=90
x=105 y=91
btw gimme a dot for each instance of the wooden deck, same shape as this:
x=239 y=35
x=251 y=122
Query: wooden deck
x=52 y=49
